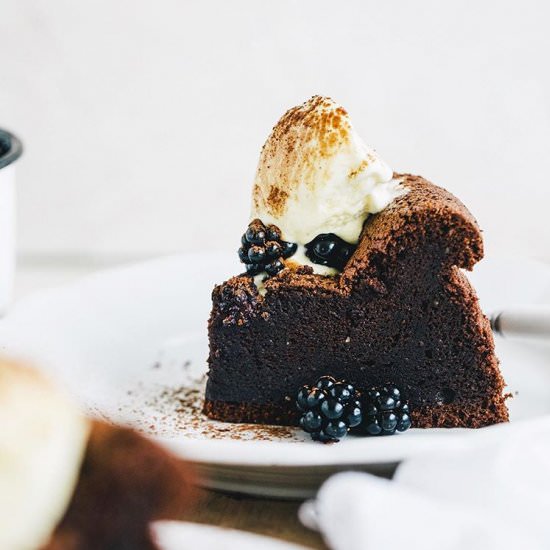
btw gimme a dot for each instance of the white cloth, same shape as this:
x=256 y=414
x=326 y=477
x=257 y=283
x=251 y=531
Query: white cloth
x=495 y=496
x=181 y=535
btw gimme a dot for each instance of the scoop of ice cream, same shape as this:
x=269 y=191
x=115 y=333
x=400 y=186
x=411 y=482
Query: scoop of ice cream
x=316 y=176
x=41 y=448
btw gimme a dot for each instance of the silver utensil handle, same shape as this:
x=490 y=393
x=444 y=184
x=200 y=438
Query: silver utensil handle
x=523 y=322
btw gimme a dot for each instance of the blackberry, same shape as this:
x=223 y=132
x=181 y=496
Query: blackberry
x=256 y=254
x=255 y=234
x=325 y=382
x=274 y=267
x=383 y=412
x=342 y=391
x=253 y=269
x=330 y=250
x=243 y=255
x=273 y=233
x=311 y=421
x=273 y=249
x=262 y=249
x=329 y=409
x=289 y=249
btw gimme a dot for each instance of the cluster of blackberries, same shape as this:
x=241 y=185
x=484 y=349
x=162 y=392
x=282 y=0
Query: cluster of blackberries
x=383 y=412
x=330 y=409
x=263 y=249
x=330 y=250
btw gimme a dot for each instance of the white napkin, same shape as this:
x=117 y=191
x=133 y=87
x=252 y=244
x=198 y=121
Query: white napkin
x=181 y=535
x=490 y=497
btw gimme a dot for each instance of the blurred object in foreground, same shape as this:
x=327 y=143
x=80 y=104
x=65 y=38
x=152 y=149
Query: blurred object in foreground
x=10 y=151
x=68 y=482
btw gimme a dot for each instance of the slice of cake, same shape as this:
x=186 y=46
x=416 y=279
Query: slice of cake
x=355 y=272
x=68 y=483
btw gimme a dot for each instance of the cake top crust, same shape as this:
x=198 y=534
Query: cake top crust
x=425 y=214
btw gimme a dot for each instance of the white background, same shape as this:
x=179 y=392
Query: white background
x=143 y=120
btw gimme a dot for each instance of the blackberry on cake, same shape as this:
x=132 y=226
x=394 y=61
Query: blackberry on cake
x=329 y=250
x=262 y=249
x=375 y=289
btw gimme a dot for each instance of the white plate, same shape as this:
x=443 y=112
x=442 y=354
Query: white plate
x=131 y=344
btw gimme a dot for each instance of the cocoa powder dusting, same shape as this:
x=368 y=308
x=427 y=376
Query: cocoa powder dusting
x=178 y=412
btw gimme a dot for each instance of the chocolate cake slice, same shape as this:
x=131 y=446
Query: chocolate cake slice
x=401 y=311
x=390 y=305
